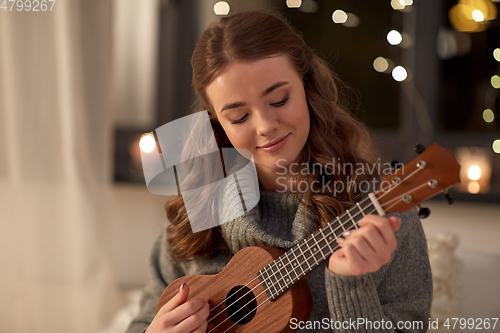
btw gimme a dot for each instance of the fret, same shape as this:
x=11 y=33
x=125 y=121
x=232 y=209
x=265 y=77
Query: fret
x=264 y=271
x=305 y=258
x=264 y=283
x=360 y=209
x=280 y=277
x=319 y=247
x=289 y=279
x=304 y=265
x=296 y=261
x=323 y=246
x=293 y=264
x=270 y=278
x=369 y=206
x=333 y=235
x=327 y=243
x=354 y=223
x=341 y=224
x=310 y=250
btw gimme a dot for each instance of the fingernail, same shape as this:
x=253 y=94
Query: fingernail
x=346 y=233
x=182 y=286
x=340 y=240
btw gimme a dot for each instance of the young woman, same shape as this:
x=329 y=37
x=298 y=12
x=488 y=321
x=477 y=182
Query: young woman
x=267 y=92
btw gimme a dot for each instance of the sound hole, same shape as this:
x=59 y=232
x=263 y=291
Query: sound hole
x=241 y=305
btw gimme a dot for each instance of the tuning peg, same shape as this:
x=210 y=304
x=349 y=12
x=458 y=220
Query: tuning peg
x=423 y=212
x=448 y=197
x=396 y=164
x=419 y=148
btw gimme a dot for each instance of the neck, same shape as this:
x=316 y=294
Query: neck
x=274 y=181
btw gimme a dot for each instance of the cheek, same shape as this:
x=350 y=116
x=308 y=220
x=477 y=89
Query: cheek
x=239 y=136
x=301 y=118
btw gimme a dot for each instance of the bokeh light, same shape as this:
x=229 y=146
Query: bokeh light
x=309 y=6
x=496 y=146
x=293 y=3
x=147 y=143
x=394 y=37
x=477 y=15
x=495 y=81
x=496 y=54
x=488 y=115
x=474 y=172
x=399 y=73
x=473 y=187
x=380 y=64
x=221 y=8
x=397 y=5
x=339 y=16
x=352 y=20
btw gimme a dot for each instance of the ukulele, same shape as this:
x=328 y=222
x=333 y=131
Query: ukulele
x=262 y=288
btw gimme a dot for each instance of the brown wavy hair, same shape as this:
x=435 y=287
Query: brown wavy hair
x=334 y=134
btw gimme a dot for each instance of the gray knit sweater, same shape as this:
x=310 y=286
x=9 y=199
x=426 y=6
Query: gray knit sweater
x=400 y=292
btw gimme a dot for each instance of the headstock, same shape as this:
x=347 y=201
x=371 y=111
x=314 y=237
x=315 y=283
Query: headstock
x=433 y=171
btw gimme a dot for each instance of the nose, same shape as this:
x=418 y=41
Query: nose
x=267 y=122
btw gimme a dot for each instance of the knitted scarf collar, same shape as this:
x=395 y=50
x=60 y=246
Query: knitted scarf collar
x=279 y=220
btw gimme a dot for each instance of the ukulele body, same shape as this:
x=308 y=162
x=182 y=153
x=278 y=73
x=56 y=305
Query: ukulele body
x=219 y=290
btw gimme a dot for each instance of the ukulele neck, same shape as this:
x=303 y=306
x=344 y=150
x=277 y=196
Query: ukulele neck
x=301 y=259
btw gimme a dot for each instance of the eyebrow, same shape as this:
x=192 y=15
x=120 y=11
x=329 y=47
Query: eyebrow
x=266 y=92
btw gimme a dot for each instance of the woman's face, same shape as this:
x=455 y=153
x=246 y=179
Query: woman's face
x=262 y=107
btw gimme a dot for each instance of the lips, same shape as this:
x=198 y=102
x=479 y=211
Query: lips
x=272 y=143
x=275 y=145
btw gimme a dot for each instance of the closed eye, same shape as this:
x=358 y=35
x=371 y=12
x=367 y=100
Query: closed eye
x=280 y=103
x=239 y=121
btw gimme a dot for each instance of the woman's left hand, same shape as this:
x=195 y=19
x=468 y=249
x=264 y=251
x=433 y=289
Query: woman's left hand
x=366 y=249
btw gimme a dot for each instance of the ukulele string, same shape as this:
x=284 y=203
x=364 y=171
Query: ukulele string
x=222 y=322
x=248 y=292
x=255 y=309
x=273 y=274
x=402 y=195
x=236 y=300
x=386 y=191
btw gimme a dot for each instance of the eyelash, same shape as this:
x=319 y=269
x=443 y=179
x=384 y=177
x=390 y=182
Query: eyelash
x=277 y=104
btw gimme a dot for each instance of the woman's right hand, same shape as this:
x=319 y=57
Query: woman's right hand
x=179 y=316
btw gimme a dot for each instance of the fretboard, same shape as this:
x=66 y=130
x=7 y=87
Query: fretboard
x=297 y=262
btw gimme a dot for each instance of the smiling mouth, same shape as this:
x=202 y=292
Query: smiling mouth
x=274 y=142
